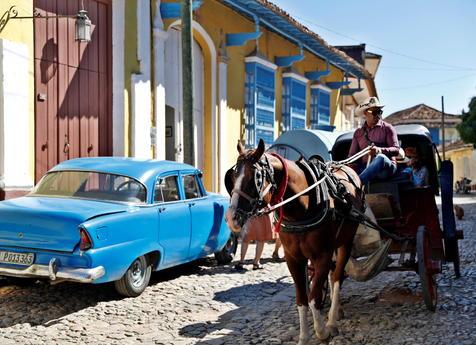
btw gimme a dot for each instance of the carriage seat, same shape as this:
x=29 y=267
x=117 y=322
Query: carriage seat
x=398 y=182
x=383 y=197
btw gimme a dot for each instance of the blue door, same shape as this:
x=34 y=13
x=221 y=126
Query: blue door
x=174 y=221
x=205 y=228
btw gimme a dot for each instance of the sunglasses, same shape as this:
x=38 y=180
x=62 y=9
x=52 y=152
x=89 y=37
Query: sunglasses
x=377 y=112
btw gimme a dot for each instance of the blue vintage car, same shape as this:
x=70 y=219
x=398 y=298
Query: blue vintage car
x=109 y=219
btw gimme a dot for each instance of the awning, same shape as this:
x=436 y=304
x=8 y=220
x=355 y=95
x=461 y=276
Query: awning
x=276 y=20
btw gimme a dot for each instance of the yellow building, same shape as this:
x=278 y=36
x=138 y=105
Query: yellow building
x=63 y=97
x=463 y=157
x=358 y=90
x=257 y=72
x=263 y=72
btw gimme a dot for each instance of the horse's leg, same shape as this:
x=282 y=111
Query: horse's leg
x=337 y=278
x=298 y=271
x=321 y=269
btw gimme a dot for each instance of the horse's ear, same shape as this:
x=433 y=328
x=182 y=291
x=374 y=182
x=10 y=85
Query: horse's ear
x=259 y=151
x=240 y=147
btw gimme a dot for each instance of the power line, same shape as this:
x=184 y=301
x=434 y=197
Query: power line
x=425 y=69
x=428 y=84
x=385 y=49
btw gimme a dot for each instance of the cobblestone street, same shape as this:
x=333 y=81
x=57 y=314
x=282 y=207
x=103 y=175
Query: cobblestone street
x=202 y=303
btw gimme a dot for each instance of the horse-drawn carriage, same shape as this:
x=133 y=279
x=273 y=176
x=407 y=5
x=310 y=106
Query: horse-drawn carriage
x=319 y=203
x=406 y=217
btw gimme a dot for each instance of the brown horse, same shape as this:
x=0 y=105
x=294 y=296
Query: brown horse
x=253 y=183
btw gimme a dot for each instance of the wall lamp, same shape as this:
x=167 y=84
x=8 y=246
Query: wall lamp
x=82 y=24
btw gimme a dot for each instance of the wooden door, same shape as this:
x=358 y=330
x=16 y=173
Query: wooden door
x=73 y=96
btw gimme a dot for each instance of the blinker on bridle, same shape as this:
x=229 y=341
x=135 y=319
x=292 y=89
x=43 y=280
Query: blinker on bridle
x=263 y=172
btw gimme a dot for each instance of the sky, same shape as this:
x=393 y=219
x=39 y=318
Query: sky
x=404 y=32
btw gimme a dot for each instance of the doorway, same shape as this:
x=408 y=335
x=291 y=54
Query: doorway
x=174 y=98
x=73 y=94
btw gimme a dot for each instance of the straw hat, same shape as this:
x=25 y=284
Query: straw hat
x=371 y=102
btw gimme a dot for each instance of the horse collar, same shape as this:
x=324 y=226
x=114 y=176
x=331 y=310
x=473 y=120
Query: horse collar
x=278 y=196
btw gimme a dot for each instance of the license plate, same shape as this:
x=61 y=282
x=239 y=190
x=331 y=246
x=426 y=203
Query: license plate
x=16 y=258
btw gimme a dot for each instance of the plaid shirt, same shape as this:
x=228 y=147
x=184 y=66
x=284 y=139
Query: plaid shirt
x=382 y=135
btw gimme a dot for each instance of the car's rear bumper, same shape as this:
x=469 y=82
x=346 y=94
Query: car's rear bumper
x=55 y=272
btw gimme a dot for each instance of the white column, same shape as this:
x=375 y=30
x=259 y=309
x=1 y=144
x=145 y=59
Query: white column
x=118 y=27
x=15 y=136
x=222 y=122
x=141 y=96
x=159 y=82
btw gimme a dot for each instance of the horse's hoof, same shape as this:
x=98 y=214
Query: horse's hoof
x=303 y=341
x=333 y=330
x=323 y=334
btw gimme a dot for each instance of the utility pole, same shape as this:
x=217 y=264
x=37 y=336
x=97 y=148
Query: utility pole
x=443 y=126
x=187 y=83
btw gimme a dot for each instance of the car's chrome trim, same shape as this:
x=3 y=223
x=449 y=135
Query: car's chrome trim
x=55 y=272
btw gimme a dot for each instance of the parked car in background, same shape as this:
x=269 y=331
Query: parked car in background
x=110 y=219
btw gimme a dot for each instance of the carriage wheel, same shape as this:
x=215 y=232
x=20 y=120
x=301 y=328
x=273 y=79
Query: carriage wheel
x=452 y=254
x=309 y=277
x=426 y=272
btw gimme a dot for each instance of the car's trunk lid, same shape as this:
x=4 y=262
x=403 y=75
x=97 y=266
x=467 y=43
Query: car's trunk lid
x=48 y=223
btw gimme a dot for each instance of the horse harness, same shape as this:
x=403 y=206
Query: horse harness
x=331 y=188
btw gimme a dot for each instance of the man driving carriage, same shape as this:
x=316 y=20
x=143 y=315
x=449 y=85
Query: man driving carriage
x=382 y=138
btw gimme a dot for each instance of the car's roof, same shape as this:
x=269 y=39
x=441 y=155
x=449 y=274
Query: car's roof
x=143 y=170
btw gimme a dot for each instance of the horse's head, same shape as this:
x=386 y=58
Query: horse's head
x=248 y=183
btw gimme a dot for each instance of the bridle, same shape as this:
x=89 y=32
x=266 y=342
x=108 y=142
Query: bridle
x=263 y=173
x=264 y=183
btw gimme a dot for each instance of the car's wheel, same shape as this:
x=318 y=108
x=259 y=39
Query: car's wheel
x=136 y=278
x=226 y=255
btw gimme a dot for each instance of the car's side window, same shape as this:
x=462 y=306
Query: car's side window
x=190 y=185
x=166 y=189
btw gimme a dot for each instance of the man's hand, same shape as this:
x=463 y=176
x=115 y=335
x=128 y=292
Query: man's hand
x=374 y=150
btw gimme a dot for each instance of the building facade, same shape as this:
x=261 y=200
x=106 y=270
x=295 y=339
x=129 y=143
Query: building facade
x=429 y=117
x=462 y=155
x=358 y=90
x=257 y=72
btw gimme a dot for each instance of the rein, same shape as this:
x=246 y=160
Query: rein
x=265 y=173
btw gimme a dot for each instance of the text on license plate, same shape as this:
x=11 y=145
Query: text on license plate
x=16 y=258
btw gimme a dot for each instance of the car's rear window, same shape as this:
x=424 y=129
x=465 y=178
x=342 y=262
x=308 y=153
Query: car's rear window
x=91 y=185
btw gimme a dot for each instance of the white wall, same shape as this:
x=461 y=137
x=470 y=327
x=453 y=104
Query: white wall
x=15 y=137
x=141 y=95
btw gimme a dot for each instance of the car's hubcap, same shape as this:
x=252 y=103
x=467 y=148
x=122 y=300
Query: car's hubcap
x=137 y=273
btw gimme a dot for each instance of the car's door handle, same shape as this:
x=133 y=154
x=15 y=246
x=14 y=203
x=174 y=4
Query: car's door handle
x=162 y=209
x=191 y=204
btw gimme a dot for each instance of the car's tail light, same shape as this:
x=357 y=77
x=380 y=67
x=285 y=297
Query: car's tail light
x=85 y=242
